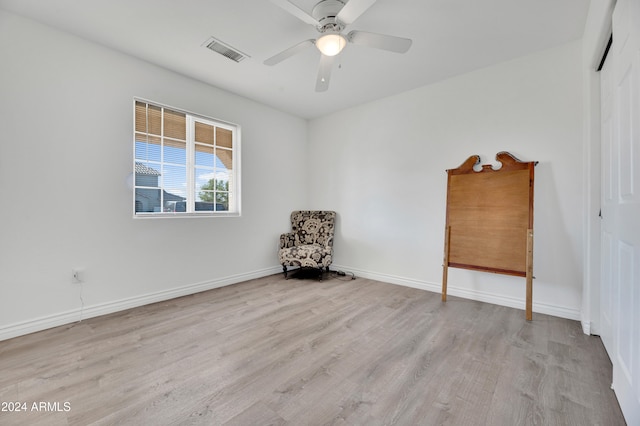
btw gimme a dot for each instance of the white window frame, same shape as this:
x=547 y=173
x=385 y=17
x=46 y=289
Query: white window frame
x=234 y=193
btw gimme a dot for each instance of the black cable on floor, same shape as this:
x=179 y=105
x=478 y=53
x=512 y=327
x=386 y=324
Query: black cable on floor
x=343 y=275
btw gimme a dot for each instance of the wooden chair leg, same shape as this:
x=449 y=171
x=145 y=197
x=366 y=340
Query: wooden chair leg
x=284 y=269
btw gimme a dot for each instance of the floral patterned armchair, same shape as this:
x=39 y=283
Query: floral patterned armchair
x=310 y=242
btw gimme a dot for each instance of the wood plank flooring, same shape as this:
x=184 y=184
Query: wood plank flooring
x=303 y=352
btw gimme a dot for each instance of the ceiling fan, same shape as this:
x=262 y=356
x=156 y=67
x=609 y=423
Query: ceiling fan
x=330 y=17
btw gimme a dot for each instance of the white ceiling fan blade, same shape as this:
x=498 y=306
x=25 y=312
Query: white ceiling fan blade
x=287 y=53
x=324 y=73
x=353 y=9
x=296 y=11
x=380 y=41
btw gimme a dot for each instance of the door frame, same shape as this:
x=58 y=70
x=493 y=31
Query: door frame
x=595 y=39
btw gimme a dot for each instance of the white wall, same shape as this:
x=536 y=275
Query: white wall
x=65 y=154
x=382 y=165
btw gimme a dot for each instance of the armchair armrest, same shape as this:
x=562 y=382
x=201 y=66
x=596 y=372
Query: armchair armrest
x=287 y=240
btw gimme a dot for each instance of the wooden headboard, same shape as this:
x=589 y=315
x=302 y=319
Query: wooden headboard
x=489 y=222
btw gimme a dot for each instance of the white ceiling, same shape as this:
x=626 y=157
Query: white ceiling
x=450 y=37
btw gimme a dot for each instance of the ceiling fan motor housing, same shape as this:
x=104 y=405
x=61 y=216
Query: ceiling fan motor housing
x=325 y=13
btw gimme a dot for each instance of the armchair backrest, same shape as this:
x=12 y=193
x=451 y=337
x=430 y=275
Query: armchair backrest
x=313 y=227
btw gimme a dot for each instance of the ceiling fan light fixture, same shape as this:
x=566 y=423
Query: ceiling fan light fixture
x=331 y=44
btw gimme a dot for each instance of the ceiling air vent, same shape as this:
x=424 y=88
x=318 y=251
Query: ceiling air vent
x=225 y=50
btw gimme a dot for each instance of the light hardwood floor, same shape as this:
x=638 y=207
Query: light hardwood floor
x=305 y=352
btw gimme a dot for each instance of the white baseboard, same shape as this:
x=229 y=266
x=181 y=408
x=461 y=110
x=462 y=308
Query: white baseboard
x=68 y=317
x=496 y=299
x=75 y=315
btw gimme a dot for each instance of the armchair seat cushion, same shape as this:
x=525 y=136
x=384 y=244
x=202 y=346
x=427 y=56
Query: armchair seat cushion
x=309 y=255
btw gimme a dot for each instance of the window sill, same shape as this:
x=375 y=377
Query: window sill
x=184 y=215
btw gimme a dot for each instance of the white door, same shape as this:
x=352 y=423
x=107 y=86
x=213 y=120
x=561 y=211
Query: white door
x=620 y=296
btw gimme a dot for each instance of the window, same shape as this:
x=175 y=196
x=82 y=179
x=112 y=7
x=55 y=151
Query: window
x=184 y=164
